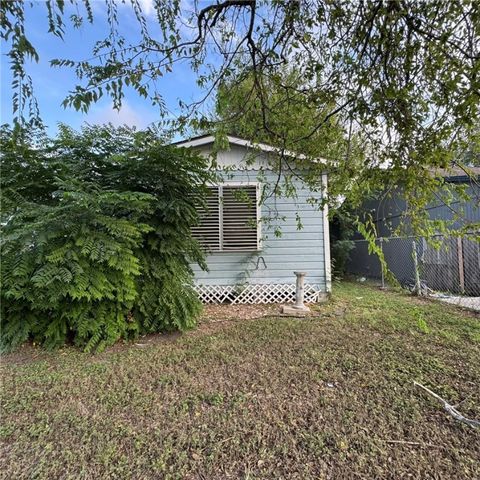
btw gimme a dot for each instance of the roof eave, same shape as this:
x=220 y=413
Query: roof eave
x=209 y=139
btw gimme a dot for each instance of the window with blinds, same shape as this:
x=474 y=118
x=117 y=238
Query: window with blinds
x=229 y=222
x=207 y=232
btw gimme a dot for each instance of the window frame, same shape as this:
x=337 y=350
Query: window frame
x=258 y=213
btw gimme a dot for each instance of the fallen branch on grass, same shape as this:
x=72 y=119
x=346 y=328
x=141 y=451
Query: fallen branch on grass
x=413 y=444
x=450 y=408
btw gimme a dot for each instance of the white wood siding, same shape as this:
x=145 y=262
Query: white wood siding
x=294 y=250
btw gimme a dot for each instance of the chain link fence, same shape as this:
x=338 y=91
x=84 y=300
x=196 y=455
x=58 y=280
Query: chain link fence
x=443 y=267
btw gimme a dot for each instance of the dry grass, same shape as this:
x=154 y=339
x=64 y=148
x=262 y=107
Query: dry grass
x=325 y=397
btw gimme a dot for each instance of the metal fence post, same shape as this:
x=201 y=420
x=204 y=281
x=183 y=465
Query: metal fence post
x=461 y=272
x=383 y=274
x=418 y=289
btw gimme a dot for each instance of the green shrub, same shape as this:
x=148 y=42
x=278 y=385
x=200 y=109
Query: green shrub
x=96 y=242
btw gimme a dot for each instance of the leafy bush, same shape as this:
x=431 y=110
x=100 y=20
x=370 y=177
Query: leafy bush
x=96 y=242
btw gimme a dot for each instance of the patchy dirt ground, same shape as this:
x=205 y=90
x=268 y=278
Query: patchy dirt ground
x=220 y=313
x=330 y=396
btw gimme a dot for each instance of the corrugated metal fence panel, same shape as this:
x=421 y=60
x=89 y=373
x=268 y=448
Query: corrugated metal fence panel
x=453 y=267
x=439 y=267
x=399 y=258
x=362 y=263
x=471 y=263
x=389 y=212
x=279 y=256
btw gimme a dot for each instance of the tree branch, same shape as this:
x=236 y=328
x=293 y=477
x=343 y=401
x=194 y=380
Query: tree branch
x=450 y=408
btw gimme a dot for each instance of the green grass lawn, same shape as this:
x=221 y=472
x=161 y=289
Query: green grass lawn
x=324 y=397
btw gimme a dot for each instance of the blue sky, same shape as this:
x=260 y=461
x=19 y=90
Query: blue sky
x=53 y=84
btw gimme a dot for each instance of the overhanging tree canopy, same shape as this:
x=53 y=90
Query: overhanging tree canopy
x=403 y=73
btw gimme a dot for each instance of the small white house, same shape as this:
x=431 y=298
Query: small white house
x=252 y=236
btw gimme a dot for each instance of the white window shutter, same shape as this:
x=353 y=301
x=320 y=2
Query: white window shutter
x=230 y=222
x=240 y=218
x=208 y=230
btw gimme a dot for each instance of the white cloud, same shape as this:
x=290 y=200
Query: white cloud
x=147 y=7
x=126 y=116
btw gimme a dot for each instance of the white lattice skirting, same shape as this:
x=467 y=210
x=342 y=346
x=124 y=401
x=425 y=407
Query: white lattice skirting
x=270 y=293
